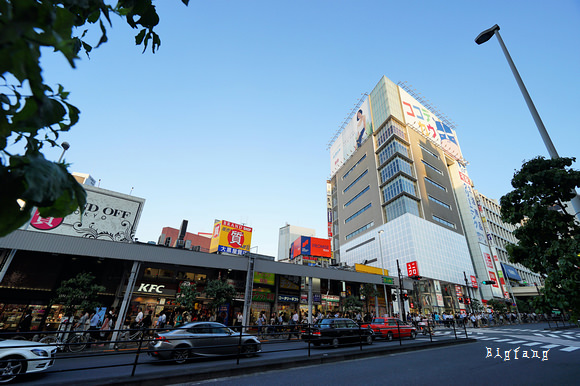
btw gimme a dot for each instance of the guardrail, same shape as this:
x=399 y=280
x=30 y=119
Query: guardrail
x=233 y=342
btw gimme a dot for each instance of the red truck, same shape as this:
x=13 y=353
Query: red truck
x=387 y=328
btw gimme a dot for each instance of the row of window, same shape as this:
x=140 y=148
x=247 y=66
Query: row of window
x=355 y=181
x=395 y=166
x=444 y=222
x=437 y=201
x=401 y=206
x=357 y=196
x=397 y=186
x=395 y=146
x=428 y=151
x=354 y=166
x=435 y=184
x=387 y=132
x=360 y=230
x=357 y=213
x=429 y=166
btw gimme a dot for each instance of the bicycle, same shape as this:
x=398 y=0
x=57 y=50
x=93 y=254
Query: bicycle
x=73 y=341
x=128 y=335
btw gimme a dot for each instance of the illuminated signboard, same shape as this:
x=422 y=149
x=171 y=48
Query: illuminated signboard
x=230 y=238
x=310 y=246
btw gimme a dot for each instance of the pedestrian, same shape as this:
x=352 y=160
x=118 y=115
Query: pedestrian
x=106 y=327
x=25 y=321
x=83 y=322
x=138 y=319
x=161 y=320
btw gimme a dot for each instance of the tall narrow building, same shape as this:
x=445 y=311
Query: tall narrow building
x=401 y=198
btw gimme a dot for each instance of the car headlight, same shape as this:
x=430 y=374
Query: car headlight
x=39 y=352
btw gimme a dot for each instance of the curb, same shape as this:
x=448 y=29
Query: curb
x=213 y=371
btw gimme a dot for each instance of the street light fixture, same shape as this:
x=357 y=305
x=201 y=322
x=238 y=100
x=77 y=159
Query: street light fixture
x=484 y=37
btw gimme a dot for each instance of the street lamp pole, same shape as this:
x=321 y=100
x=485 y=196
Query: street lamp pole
x=383 y=268
x=484 y=37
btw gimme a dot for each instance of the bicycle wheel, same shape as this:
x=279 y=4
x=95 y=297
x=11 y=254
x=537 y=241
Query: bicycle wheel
x=77 y=343
x=49 y=339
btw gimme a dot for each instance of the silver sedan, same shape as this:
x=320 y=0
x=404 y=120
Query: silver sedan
x=202 y=339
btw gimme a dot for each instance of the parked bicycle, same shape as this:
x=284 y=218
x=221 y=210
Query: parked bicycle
x=73 y=341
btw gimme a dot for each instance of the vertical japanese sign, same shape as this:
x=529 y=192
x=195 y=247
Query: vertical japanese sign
x=474 y=281
x=230 y=237
x=494 y=278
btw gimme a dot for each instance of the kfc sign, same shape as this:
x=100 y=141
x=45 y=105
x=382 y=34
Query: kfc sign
x=151 y=288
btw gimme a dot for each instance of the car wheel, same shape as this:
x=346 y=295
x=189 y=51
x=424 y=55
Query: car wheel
x=389 y=336
x=180 y=355
x=249 y=350
x=335 y=343
x=369 y=339
x=413 y=334
x=10 y=367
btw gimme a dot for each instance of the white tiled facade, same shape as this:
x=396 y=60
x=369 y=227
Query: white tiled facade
x=440 y=253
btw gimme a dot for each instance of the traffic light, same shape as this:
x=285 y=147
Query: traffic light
x=394 y=297
x=405 y=296
x=415 y=277
x=488 y=282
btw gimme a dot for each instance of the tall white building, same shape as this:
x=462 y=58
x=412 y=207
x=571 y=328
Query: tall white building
x=286 y=236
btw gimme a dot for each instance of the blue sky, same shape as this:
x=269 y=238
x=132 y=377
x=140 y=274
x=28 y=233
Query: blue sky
x=230 y=119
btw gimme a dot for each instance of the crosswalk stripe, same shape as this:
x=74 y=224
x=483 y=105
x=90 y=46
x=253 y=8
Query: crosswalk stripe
x=569 y=349
x=551 y=346
x=518 y=341
x=532 y=344
x=487 y=338
x=503 y=340
x=554 y=336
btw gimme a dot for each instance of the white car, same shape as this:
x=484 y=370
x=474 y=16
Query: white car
x=23 y=357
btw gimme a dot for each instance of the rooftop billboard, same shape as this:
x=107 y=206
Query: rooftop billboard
x=310 y=246
x=107 y=216
x=230 y=238
x=354 y=134
x=429 y=124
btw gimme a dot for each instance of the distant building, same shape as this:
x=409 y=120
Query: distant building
x=499 y=235
x=286 y=237
x=198 y=242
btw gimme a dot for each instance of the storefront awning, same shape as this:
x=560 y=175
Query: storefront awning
x=510 y=272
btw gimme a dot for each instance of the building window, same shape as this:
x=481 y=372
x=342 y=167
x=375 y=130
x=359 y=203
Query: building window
x=428 y=151
x=395 y=166
x=395 y=146
x=357 y=196
x=401 y=206
x=354 y=166
x=444 y=222
x=397 y=186
x=355 y=181
x=435 y=184
x=360 y=230
x=388 y=131
x=357 y=213
x=429 y=166
x=433 y=199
